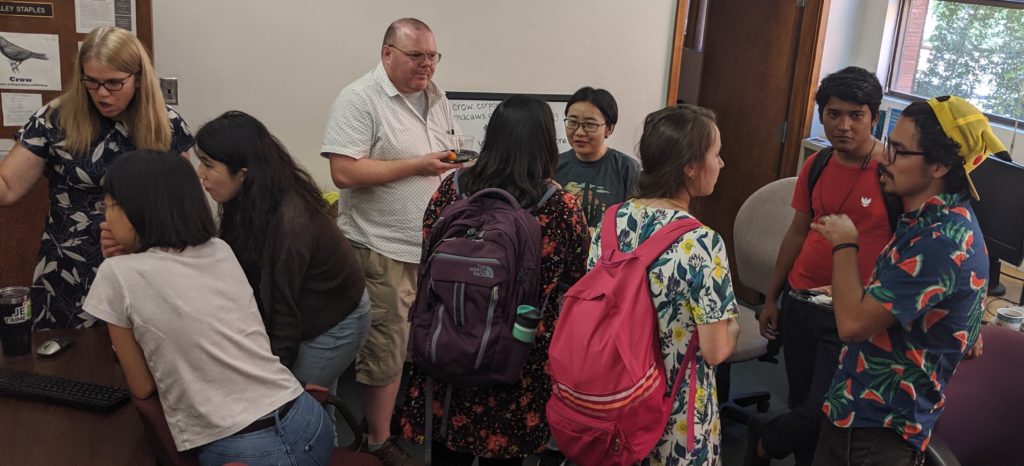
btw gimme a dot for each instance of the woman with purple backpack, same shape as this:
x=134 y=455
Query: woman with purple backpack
x=689 y=282
x=503 y=423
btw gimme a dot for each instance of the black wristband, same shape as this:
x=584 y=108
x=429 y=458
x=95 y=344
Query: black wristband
x=844 y=246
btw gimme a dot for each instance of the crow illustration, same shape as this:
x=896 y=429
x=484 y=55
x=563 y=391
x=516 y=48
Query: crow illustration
x=17 y=54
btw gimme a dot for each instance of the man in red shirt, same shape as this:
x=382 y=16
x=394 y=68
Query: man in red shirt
x=848 y=102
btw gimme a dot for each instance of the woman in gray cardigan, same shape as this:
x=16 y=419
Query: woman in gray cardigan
x=308 y=285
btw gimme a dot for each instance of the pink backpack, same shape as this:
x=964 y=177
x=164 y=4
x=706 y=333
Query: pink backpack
x=609 y=405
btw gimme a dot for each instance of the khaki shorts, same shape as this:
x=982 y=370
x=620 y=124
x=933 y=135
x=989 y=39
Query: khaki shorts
x=392 y=287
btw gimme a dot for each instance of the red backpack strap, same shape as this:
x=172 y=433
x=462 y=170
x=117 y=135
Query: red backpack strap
x=651 y=248
x=610 y=231
x=688 y=365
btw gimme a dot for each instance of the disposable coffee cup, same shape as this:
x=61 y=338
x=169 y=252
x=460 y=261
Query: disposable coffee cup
x=1010 y=317
x=525 y=327
x=15 y=321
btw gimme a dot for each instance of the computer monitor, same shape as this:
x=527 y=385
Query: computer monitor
x=1000 y=211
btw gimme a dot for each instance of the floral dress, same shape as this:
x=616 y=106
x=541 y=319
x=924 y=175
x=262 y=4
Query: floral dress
x=506 y=421
x=690 y=285
x=70 y=251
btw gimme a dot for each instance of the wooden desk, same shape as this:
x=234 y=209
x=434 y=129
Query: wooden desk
x=37 y=433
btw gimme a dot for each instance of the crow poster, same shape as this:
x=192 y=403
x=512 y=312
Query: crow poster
x=29 y=61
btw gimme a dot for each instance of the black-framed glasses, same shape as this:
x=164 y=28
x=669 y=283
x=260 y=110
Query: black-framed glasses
x=588 y=126
x=418 y=56
x=111 y=85
x=892 y=152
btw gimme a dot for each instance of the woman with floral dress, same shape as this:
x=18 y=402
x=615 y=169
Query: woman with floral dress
x=503 y=424
x=690 y=283
x=113 y=105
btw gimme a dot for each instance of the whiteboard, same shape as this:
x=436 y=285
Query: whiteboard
x=472 y=111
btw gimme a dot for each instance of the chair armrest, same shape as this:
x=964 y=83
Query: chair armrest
x=350 y=419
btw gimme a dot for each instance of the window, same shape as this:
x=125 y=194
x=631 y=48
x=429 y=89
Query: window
x=970 y=48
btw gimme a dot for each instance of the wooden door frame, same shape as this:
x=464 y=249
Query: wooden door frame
x=807 y=66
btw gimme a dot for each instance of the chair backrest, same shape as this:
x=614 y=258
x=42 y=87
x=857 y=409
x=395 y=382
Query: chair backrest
x=153 y=422
x=761 y=224
x=983 y=403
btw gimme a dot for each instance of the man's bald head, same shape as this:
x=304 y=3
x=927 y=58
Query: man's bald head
x=407 y=24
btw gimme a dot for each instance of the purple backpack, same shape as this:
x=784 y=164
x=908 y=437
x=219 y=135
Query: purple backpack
x=482 y=260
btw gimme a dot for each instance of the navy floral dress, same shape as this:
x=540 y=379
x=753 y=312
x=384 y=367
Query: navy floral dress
x=506 y=421
x=70 y=251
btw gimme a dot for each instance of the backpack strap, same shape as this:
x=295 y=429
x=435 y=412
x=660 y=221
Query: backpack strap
x=814 y=173
x=656 y=244
x=652 y=247
x=428 y=428
x=610 y=242
x=496 y=192
x=455 y=182
x=552 y=187
x=894 y=209
x=689 y=364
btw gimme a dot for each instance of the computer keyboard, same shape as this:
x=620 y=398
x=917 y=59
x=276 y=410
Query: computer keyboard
x=53 y=389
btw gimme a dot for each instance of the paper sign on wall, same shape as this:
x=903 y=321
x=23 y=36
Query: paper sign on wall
x=472 y=110
x=32 y=61
x=18 y=107
x=91 y=14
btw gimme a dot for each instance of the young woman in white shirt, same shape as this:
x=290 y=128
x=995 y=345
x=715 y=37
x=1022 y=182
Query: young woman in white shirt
x=185 y=325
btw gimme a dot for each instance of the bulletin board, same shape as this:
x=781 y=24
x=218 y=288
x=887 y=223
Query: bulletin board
x=54 y=28
x=472 y=111
x=39 y=47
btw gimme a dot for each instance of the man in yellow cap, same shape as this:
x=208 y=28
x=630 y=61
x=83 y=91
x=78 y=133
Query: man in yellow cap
x=920 y=315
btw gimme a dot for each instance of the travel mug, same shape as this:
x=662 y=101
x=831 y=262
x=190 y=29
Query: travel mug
x=15 y=321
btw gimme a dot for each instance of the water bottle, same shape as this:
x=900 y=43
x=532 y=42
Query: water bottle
x=525 y=328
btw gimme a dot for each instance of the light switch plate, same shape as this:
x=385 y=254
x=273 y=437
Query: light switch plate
x=169 y=88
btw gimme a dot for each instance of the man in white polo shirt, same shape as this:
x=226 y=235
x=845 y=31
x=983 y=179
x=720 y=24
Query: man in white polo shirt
x=387 y=140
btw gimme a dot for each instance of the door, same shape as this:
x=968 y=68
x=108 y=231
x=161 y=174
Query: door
x=757 y=69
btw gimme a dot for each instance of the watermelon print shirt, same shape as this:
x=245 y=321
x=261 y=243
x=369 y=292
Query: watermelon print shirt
x=933 y=277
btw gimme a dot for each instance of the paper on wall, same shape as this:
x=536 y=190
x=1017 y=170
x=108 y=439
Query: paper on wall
x=91 y=14
x=19 y=106
x=31 y=61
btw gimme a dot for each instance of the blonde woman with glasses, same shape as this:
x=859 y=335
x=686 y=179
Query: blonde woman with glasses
x=112 y=105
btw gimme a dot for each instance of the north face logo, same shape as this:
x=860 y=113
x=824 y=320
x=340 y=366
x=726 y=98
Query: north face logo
x=482 y=271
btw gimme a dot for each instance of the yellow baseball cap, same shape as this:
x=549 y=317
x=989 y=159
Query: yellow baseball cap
x=965 y=124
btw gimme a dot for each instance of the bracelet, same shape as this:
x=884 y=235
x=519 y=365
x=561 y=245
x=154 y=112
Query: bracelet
x=844 y=246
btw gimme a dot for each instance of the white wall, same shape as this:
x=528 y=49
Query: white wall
x=861 y=33
x=284 y=62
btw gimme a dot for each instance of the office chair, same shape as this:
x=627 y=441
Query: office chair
x=155 y=426
x=761 y=223
x=983 y=408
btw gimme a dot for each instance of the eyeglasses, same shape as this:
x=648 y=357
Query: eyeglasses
x=588 y=126
x=418 y=57
x=892 y=152
x=111 y=85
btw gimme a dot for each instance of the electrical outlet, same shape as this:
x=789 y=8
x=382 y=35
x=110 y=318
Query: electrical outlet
x=169 y=87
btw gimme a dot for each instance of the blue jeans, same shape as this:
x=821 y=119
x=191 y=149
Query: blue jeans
x=323 y=358
x=304 y=436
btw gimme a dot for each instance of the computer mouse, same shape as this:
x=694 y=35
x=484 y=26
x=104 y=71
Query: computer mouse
x=53 y=346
